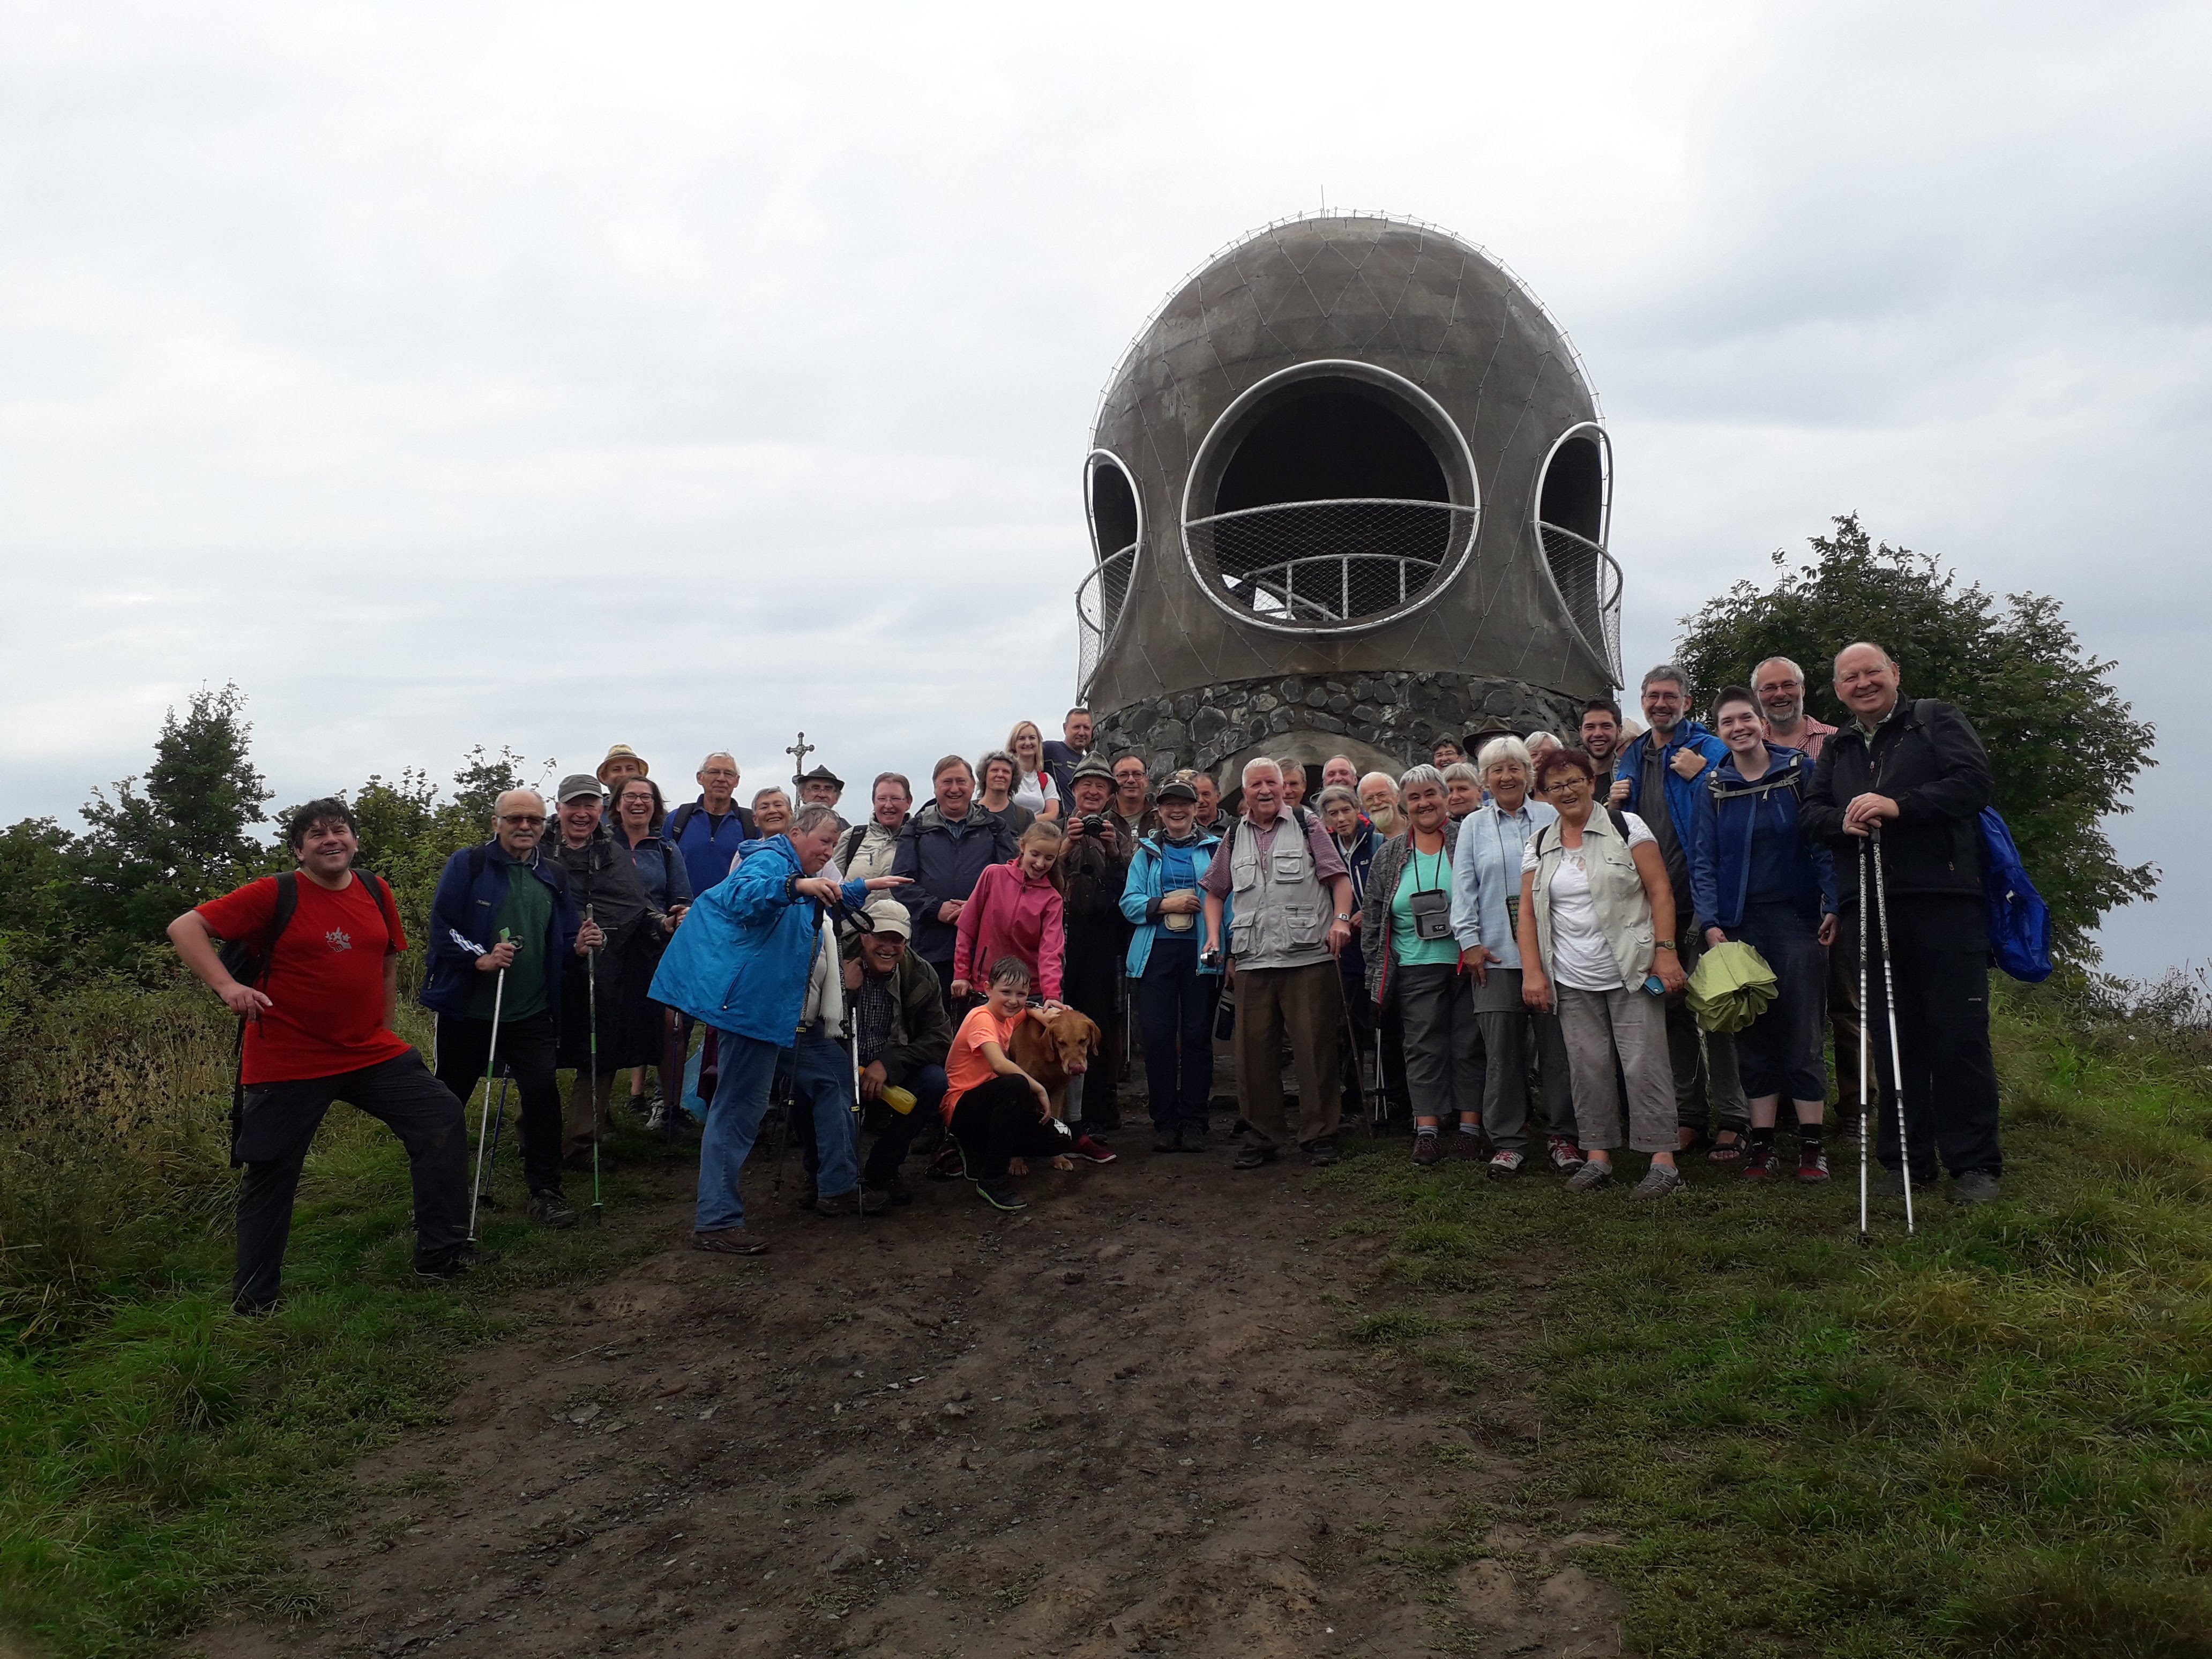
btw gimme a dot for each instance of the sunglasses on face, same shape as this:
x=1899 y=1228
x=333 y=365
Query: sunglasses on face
x=524 y=820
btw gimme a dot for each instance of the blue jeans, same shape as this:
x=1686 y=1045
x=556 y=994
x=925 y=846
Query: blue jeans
x=733 y=1121
x=822 y=1085
x=1174 y=1016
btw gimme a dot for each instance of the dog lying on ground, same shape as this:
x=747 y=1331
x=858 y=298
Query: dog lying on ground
x=1054 y=1051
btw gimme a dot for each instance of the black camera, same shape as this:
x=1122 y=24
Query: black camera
x=1094 y=823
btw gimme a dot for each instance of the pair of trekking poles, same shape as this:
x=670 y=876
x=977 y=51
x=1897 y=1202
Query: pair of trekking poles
x=487 y=1126
x=1870 y=855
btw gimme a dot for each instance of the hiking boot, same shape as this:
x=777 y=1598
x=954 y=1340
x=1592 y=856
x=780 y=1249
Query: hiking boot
x=1092 y=1150
x=810 y=1195
x=552 y=1210
x=1566 y=1157
x=1592 y=1175
x=581 y=1163
x=1166 y=1140
x=1758 y=1164
x=1251 y=1157
x=1193 y=1137
x=1321 y=1153
x=1811 y=1164
x=1505 y=1164
x=1660 y=1180
x=895 y=1192
x=728 y=1241
x=1470 y=1148
x=855 y=1202
x=1974 y=1186
x=451 y=1264
x=1891 y=1184
x=998 y=1192
x=1428 y=1150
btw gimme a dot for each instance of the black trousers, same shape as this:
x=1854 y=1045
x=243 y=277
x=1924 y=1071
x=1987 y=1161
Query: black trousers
x=279 y=1122
x=1174 y=1006
x=999 y=1122
x=1939 y=952
x=1091 y=983
x=527 y=1049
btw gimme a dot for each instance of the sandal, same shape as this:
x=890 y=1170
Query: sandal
x=1727 y=1151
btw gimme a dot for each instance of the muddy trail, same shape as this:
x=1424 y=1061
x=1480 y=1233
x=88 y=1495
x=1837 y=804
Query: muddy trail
x=1126 y=1420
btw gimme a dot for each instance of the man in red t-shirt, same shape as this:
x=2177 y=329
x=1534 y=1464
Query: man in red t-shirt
x=318 y=1029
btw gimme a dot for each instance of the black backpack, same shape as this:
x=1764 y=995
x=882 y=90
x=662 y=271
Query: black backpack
x=248 y=962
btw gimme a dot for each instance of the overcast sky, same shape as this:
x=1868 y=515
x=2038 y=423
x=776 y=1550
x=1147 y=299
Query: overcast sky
x=683 y=376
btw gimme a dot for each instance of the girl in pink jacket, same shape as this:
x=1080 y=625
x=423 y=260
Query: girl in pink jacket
x=1014 y=911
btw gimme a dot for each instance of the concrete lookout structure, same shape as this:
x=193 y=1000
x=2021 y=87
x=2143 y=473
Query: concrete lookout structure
x=1348 y=491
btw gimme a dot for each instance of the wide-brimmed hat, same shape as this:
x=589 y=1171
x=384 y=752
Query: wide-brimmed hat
x=624 y=751
x=579 y=783
x=820 y=774
x=1093 y=766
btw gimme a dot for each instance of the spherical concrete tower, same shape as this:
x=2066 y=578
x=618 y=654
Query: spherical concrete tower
x=1348 y=492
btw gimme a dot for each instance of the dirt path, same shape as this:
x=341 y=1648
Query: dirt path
x=1124 y=1421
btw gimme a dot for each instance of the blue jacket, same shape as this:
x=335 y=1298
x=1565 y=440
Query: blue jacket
x=471 y=890
x=1146 y=861
x=741 y=959
x=1748 y=844
x=1682 y=793
x=708 y=849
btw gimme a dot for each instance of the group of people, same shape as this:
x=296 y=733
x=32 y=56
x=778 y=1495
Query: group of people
x=1507 y=928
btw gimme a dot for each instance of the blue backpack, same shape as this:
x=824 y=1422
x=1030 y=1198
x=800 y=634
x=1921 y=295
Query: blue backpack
x=2019 y=921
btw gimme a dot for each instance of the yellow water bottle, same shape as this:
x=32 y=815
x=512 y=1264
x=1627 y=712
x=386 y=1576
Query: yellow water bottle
x=899 y=1100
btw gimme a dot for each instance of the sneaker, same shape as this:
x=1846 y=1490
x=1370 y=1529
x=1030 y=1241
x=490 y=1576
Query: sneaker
x=1321 y=1153
x=1470 y=1148
x=1812 y=1164
x=1975 y=1187
x=1758 y=1164
x=1428 y=1150
x=451 y=1264
x=656 y=1118
x=998 y=1192
x=1590 y=1177
x=552 y=1210
x=948 y=1164
x=1505 y=1165
x=1251 y=1157
x=1091 y=1150
x=1660 y=1180
x=1566 y=1157
x=1193 y=1137
x=728 y=1241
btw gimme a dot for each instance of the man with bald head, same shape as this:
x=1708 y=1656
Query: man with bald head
x=503 y=909
x=1905 y=781
x=708 y=831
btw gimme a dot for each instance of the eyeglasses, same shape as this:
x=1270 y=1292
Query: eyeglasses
x=524 y=820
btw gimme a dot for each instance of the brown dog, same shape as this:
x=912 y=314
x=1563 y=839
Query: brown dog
x=1053 y=1052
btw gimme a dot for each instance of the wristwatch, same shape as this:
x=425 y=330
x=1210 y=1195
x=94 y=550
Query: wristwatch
x=1344 y=915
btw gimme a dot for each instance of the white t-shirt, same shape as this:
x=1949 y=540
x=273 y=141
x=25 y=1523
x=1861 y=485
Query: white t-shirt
x=1033 y=790
x=1581 y=957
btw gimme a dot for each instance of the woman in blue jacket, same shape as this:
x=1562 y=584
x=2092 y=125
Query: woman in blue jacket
x=1754 y=876
x=1174 y=991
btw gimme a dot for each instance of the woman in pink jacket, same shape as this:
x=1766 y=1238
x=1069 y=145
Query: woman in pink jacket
x=1014 y=911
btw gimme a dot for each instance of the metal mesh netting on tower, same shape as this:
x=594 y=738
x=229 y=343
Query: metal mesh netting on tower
x=1098 y=604
x=1327 y=564
x=1589 y=582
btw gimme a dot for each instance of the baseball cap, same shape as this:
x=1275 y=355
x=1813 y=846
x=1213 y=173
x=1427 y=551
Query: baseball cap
x=1177 y=791
x=890 y=916
x=579 y=783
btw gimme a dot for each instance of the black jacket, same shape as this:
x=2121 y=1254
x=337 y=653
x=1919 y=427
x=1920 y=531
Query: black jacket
x=921 y=1031
x=1925 y=758
x=942 y=866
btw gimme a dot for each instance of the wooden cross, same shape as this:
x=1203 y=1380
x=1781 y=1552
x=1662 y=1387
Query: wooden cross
x=799 y=752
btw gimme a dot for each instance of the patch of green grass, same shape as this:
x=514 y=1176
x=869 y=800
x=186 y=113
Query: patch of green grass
x=1995 y=1438
x=153 y=1445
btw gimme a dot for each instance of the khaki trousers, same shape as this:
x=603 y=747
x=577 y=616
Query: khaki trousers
x=1307 y=1005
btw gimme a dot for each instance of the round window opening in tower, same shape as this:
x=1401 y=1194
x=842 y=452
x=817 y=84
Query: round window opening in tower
x=1328 y=501
x=1572 y=502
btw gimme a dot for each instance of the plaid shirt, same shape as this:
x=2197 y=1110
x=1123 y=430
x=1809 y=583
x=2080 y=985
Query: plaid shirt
x=875 y=1011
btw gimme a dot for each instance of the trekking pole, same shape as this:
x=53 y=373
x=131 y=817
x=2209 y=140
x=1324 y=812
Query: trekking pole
x=591 y=999
x=483 y=1123
x=1896 y=1049
x=498 y=1117
x=1866 y=1049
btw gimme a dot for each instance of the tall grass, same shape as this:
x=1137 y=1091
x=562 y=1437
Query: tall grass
x=1995 y=1438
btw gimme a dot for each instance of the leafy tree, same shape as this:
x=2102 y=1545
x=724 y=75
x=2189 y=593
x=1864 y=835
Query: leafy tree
x=154 y=851
x=2065 y=748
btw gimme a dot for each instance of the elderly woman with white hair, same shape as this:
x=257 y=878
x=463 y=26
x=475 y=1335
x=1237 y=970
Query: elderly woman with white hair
x=1462 y=789
x=1406 y=936
x=1486 y=915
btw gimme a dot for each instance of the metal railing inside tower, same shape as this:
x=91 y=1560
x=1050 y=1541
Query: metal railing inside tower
x=1323 y=565
x=1589 y=582
x=1098 y=602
